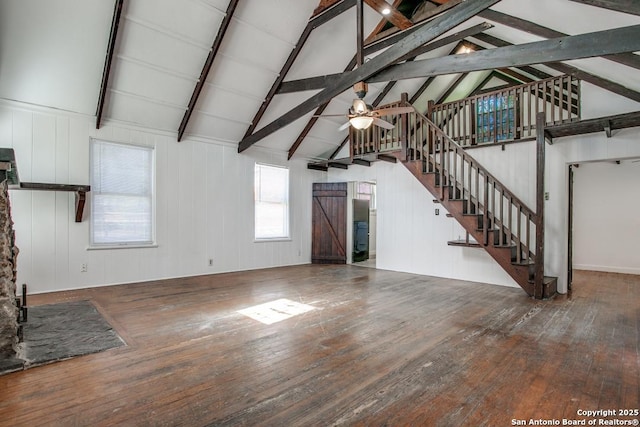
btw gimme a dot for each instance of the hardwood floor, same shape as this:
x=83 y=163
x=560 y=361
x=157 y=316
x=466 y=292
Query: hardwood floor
x=382 y=348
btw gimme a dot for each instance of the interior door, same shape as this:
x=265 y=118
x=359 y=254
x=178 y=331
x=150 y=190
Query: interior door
x=329 y=223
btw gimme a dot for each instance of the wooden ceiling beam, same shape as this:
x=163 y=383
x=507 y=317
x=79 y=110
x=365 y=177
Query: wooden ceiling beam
x=393 y=16
x=383 y=22
x=414 y=98
x=599 y=43
x=508 y=82
x=425 y=34
x=115 y=24
x=571 y=70
x=624 y=6
x=494 y=41
x=324 y=5
x=514 y=75
x=617 y=40
x=628 y=59
x=318 y=82
x=418 y=19
x=217 y=42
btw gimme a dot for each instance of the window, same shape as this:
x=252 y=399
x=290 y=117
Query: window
x=271 y=196
x=495 y=118
x=367 y=191
x=122 y=202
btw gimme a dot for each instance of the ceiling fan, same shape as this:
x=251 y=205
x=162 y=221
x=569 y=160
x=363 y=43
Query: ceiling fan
x=362 y=115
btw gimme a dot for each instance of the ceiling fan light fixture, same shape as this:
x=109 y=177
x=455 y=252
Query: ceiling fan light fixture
x=386 y=11
x=361 y=122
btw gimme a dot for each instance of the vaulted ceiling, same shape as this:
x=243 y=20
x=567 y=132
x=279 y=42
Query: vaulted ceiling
x=213 y=70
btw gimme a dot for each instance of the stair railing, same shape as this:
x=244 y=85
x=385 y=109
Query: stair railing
x=510 y=220
x=508 y=114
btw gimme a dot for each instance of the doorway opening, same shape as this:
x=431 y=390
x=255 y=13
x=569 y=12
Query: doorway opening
x=364 y=224
x=603 y=225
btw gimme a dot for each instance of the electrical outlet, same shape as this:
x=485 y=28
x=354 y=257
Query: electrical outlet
x=83 y=268
x=210 y=262
x=546 y=195
x=437 y=211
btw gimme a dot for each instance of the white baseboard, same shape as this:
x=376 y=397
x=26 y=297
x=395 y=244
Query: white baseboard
x=607 y=268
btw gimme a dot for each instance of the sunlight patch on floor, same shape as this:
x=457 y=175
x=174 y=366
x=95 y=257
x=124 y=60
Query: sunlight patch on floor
x=276 y=311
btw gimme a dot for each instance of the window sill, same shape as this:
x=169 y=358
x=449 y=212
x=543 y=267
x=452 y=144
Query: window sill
x=275 y=239
x=122 y=246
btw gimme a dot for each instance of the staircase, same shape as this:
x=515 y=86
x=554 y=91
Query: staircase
x=497 y=219
x=510 y=231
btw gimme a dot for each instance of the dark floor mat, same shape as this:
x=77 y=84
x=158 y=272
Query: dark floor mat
x=60 y=331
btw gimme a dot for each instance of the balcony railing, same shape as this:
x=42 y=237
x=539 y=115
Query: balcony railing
x=509 y=114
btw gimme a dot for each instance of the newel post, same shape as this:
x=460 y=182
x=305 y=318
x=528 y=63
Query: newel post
x=404 y=128
x=539 y=263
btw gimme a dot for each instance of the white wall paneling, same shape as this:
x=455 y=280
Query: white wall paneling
x=204 y=205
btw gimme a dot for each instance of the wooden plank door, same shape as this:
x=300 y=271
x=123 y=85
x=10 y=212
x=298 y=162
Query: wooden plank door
x=329 y=223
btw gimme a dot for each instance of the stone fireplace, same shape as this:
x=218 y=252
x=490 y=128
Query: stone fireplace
x=8 y=304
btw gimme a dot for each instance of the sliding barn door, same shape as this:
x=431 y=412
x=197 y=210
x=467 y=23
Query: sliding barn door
x=329 y=228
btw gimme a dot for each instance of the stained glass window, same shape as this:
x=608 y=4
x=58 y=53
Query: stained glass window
x=495 y=118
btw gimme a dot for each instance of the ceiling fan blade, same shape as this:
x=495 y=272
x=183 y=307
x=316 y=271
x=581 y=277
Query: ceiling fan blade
x=382 y=123
x=329 y=115
x=393 y=110
x=344 y=126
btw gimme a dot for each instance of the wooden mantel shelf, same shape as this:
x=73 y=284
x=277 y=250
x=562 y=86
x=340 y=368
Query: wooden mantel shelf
x=80 y=190
x=9 y=172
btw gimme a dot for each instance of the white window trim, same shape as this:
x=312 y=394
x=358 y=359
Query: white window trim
x=125 y=245
x=287 y=238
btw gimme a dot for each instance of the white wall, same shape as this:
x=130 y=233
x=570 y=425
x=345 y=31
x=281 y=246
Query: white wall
x=411 y=238
x=606 y=219
x=204 y=205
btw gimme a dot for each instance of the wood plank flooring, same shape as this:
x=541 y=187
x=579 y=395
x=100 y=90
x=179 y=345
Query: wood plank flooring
x=381 y=348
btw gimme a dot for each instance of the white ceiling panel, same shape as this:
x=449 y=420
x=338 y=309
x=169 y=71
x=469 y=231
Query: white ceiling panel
x=326 y=128
x=136 y=78
x=283 y=138
x=240 y=77
x=282 y=104
x=224 y=103
x=188 y=19
x=143 y=112
x=249 y=45
x=315 y=149
x=330 y=47
x=630 y=77
x=206 y=126
x=149 y=45
x=566 y=16
x=48 y=59
x=286 y=21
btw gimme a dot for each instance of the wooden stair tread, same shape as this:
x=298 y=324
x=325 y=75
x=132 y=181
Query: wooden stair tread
x=464 y=243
